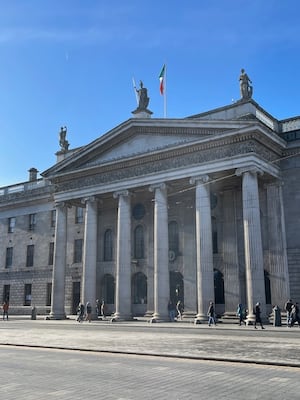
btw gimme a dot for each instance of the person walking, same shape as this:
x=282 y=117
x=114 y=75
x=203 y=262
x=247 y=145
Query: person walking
x=211 y=314
x=288 y=308
x=257 y=313
x=5 y=307
x=80 y=312
x=88 y=311
x=241 y=314
x=179 y=309
x=103 y=309
x=295 y=315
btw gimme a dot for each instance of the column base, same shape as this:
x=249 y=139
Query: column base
x=57 y=316
x=121 y=318
x=200 y=319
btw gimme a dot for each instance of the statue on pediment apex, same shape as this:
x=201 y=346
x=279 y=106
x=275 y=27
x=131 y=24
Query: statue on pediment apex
x=245 y=86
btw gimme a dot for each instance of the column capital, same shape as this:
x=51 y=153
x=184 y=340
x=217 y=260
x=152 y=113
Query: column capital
x=91 y=199
x=251 y=169
x=277 y=184
x=155 y=186
x=121 y=193
x=199 y=178
x=62 y=204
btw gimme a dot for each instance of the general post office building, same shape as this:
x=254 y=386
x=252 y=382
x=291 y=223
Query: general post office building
x=198 y=209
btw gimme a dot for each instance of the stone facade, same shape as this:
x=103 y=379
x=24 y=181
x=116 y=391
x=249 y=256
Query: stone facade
x=197 y=209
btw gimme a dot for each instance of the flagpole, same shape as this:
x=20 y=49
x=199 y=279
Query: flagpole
x=135 y=92
x=165 y=93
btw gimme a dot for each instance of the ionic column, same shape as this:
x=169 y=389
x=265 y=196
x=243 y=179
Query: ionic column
x=161 y=251
x=279 y=278
x=204 y=248
x=254 y=265
x=88 y=289
x=59 y=265
x=230 y=253
x=123 y=262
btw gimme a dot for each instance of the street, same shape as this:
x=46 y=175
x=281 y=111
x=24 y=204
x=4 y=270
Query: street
x=41 y=374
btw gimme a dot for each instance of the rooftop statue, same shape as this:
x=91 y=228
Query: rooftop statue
x=64 y=144
x=142 y=97
x=245 y=88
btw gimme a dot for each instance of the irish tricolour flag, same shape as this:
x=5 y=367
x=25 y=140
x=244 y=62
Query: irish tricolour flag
x=161 y=79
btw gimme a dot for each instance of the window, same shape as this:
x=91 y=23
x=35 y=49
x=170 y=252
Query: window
x=30 y=254
x=6 y=293
x=51 y=253
x=9 y=257
x=53 y=218
x=11 y=224
x=49 y=294
x=139 y=242
x=173 y=237
x=27 y=294
x=108 y=245
x=32 y=222
x=78 y=250
x=79 y=215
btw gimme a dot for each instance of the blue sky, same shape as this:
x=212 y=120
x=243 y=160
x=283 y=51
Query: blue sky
x=71 y=62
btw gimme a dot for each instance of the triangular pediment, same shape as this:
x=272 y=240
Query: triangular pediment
x=137 y=138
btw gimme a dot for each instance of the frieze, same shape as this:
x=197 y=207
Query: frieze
x=177 y=159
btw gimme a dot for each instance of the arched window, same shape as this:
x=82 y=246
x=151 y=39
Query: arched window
x=267 y=287
x=219 y=287
x=214 y=234
x=173 y=237
x=139 y=288
x=108 y=245
x=138 y=242
x=108 y=289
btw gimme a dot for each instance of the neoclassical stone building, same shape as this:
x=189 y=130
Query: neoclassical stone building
x=200 y=208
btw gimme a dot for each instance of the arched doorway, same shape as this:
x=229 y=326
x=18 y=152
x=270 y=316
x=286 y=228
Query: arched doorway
x=267 y=287
x=219 y=287
x=176 y=287
x=108 y=289
x=139 y=288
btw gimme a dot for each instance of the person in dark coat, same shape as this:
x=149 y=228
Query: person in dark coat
x=211 y=314
x=257 y=313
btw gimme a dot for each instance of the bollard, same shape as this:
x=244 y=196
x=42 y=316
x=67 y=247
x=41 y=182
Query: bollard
x=33 y=313
x=277 y=316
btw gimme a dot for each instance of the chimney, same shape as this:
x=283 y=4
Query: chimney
x=33 y=174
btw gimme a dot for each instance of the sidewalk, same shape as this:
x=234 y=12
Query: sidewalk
x=226 y=342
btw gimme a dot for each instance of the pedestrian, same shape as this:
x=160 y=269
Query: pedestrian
x=88 y=311
x=211 y=314
x=295 y=315
x=277 y=315
x=98 y=307
x=179 y=309
x=240 y=312
x=5 y=307
x=257 y=313
x=80 y=312
x=103 y=309
x=171 y=311
x=288 y=308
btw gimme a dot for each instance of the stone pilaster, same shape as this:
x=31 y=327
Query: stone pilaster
x=59 y=265
x=204 y=248
x=123 y=262
x=161 y=251
x=254 y=265
x=230 y=253
x=90 y=254
x=278 y=264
